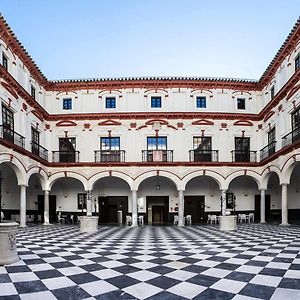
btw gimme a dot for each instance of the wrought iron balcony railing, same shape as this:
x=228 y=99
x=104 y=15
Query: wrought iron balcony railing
x=291 y=137
x=11 y=136
x=243 y=156
x=110 y=156
x=268 y=150
x=204 y=155
x=65 y=156
x=157 y=155
x=39 y=150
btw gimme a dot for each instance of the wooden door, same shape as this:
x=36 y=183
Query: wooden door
x=195 y=206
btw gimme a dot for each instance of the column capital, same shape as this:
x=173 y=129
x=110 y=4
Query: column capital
x=134 y=190
x=263 y=189
x=23 y=185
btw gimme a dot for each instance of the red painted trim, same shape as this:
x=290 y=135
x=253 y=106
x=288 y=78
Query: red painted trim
x=9 y=89
x=243 y=123
x=162 y=122
x=109 y=123
x=65 y=123
x=269 y=115
x=203 y=122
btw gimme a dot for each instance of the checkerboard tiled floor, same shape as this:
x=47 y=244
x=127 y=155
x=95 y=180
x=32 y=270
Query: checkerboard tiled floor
x=199 y=262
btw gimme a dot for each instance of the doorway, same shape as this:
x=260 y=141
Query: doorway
x=257 y=208
x=157 y=210
x=195 y=206
x=41 y=206
x=111 y=207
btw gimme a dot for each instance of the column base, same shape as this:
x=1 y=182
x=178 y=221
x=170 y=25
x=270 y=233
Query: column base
x=284 y=224
x=22 y=226
x=47 y=224
x=262 y=222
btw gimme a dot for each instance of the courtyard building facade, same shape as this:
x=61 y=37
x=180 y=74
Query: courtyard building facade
x=150 y=147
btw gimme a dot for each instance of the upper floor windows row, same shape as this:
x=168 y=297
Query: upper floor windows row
x=297 y=62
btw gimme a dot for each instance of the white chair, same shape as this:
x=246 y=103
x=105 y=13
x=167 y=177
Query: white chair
x=213 y=219
x=188 y=220
x=176 y=220
x=141 y=220
x=128 y=220
x=208 y=219
x=60 y=219
x=243 y=218
x=72 y=219
x=251 y=218
x=2 y=215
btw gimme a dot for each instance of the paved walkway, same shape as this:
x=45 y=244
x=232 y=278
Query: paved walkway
x=198 y=262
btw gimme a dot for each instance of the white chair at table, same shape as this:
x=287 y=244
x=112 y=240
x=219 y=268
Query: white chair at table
x=128 y=220
x=213 y=219
x=176 y=220
x=188 y=220
x=208 y=219
x=251 y=217
x=243 y=218
x=141 y=220
x=60 y=219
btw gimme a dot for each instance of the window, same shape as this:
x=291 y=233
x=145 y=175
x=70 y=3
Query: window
x=271 y=136
x=155 y=102
x=4 y=62
x=67 y=150
x=230 y=201
x=67 y=103
x=272 y=92
x=157 y=143
x=110 y=102
x=297 y=62
x=35 y=141
x=201 y=102
x=241 y=103
x=296 y=125
x=242 y=149
x=7 y=118
x=110 y=143
x=33 y=92
x=81 y=201
x=202 y=143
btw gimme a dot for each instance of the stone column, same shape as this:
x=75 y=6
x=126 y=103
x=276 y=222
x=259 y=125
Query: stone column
x=89 y=204
x=180 y=208
x=284 y=205
x=262 y=206
x=46 y=208
x=223 y=200
x=134 y=208
x=23 y=206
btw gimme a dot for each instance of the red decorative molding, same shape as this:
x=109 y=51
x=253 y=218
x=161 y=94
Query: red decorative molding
x=86 y=125
x=180 y=125
x=203 y=122
x=259 y=126
x=162 y=122
x=292 y=91
x=141 y=127
x=109 y=123
x=47 y=126
x=133 y=125
x=10 y=89
x=171 y=126
x=269 y=115
x=65 y=123
x=243 y=123
x=24 y=106
x=223 y=125
x=37 y=114
x=280 y=107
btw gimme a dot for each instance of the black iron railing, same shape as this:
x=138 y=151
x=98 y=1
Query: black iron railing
x=65 y=156
x=204 y=155
x=157 y=155
x=38 y=150
x=268 y=150
x=110 y=156
x=11 y=136
x=291 y=137
x=243 y=156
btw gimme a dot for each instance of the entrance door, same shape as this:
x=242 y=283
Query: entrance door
x=157 y=214
x=242 y=149
x=257 y=208
x=41 y=206
x=195 y=206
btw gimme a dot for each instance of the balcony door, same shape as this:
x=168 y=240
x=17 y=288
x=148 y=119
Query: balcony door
x=35 y=141
x=8 y=124
x=110 y=149
x=242 y=149
x=156 y=148
x=202 y=148
x=271 y=141
x=67 y=149
x=296 y=125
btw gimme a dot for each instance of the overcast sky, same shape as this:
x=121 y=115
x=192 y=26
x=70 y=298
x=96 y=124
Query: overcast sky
x=71 y=39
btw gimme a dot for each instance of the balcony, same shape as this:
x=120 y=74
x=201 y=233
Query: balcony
x=65 y=156
x=157 y=155
x=110 y=156
x=268 y=150
x=291 y=137
x=243 y=156
x=11 y=136
x=204 y=155
x=39 y=151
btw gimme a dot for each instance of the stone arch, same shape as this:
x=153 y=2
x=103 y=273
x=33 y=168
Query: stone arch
x=173 y=177
x=41 y=174
x=267 y=174
x=255 y=176
x=16 y=165
x=213 y=175
x=53 y=178
x=94 y=178
x=288 y=168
